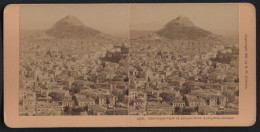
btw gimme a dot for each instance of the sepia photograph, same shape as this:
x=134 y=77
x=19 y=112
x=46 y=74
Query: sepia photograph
x=184 y=60
x=73 y=60
x=129 y=65
x=128 y=60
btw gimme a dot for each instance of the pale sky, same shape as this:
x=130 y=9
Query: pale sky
x=106 y=18
x=114 y=19
x=218 y=18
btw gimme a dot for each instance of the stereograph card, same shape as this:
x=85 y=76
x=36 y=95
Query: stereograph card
x=129 y=65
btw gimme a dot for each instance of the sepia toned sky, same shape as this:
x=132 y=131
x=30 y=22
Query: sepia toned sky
x=116 y=19
x=218 y=18
x=106 y=18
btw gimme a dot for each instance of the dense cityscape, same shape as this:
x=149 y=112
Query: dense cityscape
x=153 y=74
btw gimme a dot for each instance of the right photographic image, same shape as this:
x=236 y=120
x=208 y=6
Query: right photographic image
x=184 y=59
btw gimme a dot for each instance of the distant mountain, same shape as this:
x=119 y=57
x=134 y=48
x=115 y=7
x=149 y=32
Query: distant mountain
x=70 y=31
x=182 y=28
x=147 y=26
x=24 y=33
x=71 y=27
x=136 y=33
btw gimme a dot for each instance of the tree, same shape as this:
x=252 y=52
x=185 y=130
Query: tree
x=138 y=107
x=196 y=108
x=187 y=111
x=107 y=101
x=203 y=113
x=20 y=102
x=121 y=98
x=96 y=100
x=56 y=96
x=177 y=110
x=126 y=79
x=117 y=92
x=85 y=108
x=185 y=90
x=74 y=89
x=127 y=92
x=91 y=112
x=131 y=102
x=167 y=96
x=67 y=110
x=76 y=111
x=237 y=93
x=230 y=95
x=103 y=64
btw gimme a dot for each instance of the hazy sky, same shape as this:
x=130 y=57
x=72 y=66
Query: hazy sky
x=218 y=18
x=114 y=19
x=109 y=18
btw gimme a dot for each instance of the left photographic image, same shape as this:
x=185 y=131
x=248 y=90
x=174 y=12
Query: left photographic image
x=73 y=60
